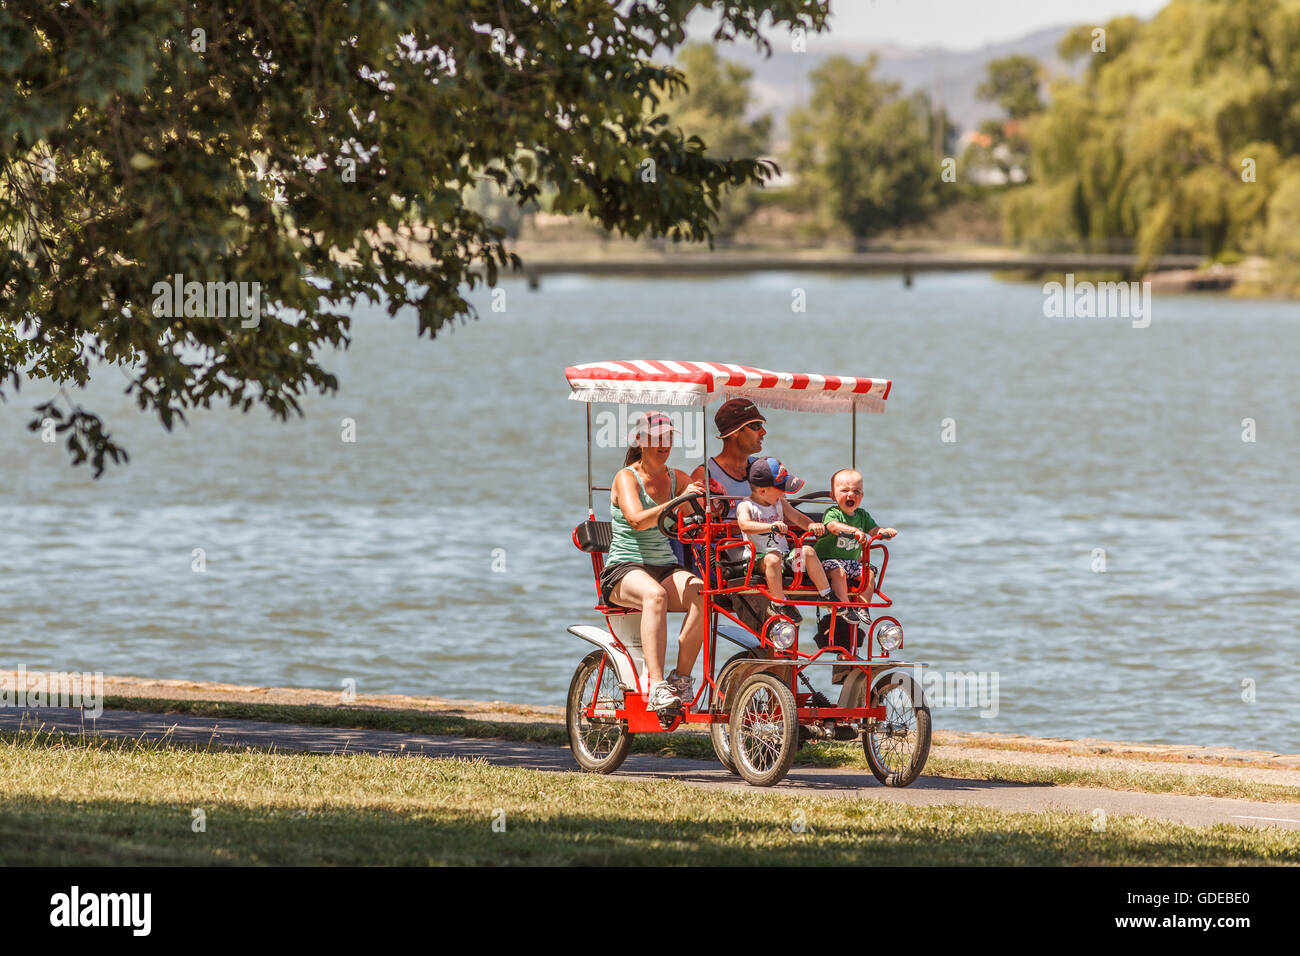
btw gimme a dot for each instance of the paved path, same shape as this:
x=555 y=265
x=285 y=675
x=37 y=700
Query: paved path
x=816 y=782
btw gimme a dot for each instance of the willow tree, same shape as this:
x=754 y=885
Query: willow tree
x=1181 y=131
x=313 y=153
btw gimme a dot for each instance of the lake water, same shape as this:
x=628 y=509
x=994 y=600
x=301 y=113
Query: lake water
x=374 y=560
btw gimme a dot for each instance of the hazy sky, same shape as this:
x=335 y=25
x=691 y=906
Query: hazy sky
x=967 y=24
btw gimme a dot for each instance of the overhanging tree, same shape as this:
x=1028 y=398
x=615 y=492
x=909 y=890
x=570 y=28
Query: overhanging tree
x=322 y=151
x=714 y=108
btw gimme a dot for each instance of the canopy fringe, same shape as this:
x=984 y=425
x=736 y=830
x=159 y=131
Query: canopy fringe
x=619 y=393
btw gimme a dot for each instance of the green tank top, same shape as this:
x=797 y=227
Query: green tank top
x=642 y=547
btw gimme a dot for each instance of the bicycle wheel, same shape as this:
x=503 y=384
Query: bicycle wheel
x=764 y=730
x=718 y=732
x=898 y=746
x=599 y=744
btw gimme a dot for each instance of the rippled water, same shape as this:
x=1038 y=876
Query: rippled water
x=374 y=560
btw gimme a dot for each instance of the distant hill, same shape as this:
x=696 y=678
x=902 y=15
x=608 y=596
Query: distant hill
x=780 y=83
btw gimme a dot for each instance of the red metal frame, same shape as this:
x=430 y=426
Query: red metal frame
x=707 y=542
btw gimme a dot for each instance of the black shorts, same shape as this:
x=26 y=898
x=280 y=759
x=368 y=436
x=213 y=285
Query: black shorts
x=616 y=572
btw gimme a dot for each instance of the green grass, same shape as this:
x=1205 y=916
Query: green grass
x=95 y=801
x=697 y=746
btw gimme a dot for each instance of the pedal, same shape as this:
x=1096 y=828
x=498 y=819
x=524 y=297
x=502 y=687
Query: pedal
x=668 y=717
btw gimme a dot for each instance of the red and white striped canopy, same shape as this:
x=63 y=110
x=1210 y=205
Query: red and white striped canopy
x=659 y=382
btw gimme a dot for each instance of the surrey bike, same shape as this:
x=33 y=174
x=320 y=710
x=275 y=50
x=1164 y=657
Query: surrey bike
x=758 y=703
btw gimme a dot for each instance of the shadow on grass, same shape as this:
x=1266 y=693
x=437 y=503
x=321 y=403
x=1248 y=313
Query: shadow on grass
x=34 y=832
x=290 y=739
x=279 y=726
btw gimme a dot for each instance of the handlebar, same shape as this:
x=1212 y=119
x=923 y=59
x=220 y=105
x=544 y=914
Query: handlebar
x=812 y=496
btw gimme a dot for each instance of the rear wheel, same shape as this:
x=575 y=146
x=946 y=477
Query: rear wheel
x=764 y=730
x=718 y=732
x=599 y=744
x=898 y=746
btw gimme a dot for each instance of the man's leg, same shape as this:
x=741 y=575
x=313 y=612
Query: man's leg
x=638 y=589
x=683 y=590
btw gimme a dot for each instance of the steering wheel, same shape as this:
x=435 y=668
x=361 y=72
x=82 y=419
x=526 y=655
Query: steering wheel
x=668 y=523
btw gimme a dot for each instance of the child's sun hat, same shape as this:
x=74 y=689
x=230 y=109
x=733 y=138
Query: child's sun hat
x=770 y=473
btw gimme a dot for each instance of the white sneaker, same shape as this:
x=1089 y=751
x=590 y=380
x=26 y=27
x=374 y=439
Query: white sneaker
x=684 y=686
x=663 y=699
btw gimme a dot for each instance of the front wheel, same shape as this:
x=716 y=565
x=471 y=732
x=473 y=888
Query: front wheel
x=898 y=746
x=599 y=744
x=764 y=730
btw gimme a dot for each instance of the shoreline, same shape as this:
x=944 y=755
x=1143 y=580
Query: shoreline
x=988 y=746
x=907 y=263
x=1169 y=274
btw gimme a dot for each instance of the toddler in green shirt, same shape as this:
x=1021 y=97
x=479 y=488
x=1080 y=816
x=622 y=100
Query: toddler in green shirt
x=847 y=529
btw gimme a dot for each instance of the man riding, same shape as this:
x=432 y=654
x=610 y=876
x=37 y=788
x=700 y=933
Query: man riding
x=740 y=426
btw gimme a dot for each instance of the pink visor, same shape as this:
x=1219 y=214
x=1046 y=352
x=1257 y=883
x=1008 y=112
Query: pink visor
x=650 y=429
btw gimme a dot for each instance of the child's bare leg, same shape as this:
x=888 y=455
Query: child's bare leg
x=839 y=584
x=813 y=565
x=772 y=571
x=867 y=595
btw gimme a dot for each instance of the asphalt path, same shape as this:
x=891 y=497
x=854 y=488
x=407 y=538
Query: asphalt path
x=815 y=782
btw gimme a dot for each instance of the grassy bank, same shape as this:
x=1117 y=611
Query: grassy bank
x=92 y=802
x=697 y=746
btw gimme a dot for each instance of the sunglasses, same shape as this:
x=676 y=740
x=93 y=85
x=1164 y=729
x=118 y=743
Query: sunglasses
x=754 y=426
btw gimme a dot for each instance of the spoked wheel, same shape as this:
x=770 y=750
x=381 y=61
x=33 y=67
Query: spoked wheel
x=764 y=730
x=718 y=732
x=599 y=744
x=898 y=746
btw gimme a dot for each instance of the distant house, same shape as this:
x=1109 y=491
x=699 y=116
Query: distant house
x=990 y=165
